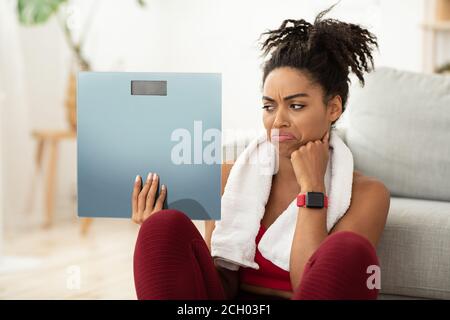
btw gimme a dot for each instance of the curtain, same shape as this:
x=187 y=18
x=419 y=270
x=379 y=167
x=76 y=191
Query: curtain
x=16 y=145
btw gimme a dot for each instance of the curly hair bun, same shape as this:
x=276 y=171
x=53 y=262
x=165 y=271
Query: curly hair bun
x=327 y=50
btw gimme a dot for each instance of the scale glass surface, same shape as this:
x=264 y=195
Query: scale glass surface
x=131 y=123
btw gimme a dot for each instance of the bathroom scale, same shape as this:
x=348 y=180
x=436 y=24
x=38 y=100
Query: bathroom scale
x=131 y=123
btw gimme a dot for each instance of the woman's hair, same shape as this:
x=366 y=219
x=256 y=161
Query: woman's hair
x=325 y=51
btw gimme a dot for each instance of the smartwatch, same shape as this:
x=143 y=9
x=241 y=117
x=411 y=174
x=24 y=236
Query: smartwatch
x=312 y=200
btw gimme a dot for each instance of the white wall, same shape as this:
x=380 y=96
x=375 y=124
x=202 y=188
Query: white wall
x=195 y=36
x=221 y=36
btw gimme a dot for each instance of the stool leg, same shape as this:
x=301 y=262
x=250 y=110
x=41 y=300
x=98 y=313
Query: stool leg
x=85 y=224
x=38 y=168
x=39 y=153
x=51 y=181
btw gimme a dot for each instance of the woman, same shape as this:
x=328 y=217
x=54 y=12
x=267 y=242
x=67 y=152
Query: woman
x=305 y=90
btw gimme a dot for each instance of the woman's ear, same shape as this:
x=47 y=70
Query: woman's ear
x=334 y=108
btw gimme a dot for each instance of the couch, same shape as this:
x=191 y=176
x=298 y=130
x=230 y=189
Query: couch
x=398 y=128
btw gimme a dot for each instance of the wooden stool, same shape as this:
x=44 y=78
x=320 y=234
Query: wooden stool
x=52 y=138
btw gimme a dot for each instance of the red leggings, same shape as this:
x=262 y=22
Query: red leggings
x=172 y=261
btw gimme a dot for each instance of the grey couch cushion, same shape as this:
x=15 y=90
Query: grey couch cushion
x=414 y=250
x=399 y=131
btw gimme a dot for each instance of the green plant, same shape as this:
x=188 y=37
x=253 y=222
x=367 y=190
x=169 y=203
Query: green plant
x=37 y=11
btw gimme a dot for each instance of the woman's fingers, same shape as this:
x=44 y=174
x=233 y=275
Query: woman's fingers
x=143 y=201
x=161 y=197
x=158 y=204
x=134 y=197
x=150 y=202
x=143 y=195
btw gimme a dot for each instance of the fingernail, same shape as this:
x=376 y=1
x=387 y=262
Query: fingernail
x=163 y=187
x=149 y=176
x=137 y=178
x=155 y=176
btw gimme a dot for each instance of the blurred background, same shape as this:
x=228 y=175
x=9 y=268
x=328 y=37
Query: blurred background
x=46 y=252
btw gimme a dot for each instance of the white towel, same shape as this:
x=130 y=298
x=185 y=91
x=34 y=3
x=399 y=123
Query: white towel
x=245 y=197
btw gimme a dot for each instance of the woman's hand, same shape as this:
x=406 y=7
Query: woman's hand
x=310 y=164
x=143 y=201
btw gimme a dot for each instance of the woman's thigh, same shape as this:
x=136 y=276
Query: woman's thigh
x=172 y=260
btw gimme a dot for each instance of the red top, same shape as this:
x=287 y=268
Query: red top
x=268 y=275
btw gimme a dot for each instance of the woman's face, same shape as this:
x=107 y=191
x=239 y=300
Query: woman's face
x=294 y=112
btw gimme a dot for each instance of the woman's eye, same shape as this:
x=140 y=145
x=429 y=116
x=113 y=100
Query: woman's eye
x=297 y=106
x=268 y=107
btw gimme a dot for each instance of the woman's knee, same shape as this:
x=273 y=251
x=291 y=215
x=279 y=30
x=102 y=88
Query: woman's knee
x=349 y=260
x=168 y=227
x=350 y=248
x=166 y=218
x=352 y=242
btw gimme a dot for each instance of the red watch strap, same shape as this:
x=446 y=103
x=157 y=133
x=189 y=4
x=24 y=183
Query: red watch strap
x=301 y=200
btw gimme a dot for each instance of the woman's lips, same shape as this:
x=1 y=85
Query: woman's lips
x=282 y=137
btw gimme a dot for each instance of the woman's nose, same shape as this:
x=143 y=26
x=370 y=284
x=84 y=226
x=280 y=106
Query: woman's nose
x=281 y=119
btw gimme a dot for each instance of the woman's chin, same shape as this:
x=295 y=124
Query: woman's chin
x=283 y=151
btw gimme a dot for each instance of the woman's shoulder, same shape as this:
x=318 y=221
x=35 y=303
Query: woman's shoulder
x=363 y=183
x=357 y=175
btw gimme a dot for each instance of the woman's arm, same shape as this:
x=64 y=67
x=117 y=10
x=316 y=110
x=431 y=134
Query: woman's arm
x=309 y=162
x=310 y=231
x=209 y=228
x=366 y=216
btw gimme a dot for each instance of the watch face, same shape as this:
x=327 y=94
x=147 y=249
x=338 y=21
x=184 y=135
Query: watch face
x=314 y=200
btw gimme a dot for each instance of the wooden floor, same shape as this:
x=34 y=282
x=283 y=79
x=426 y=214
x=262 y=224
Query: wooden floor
x=103 y=258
